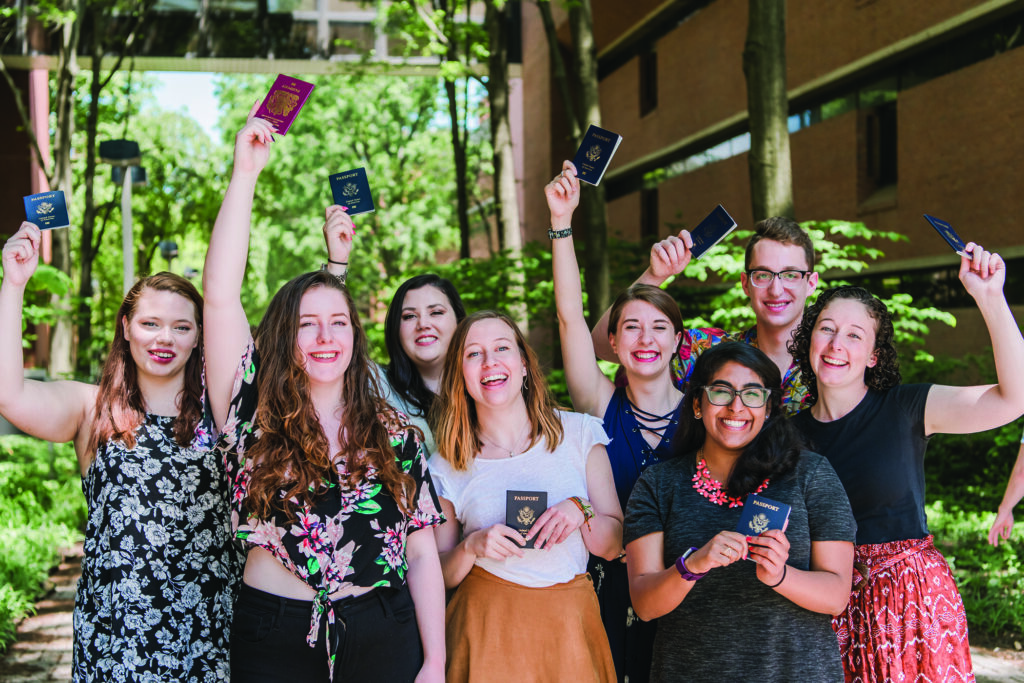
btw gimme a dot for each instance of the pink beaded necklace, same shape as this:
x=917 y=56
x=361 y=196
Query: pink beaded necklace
x=712 y=489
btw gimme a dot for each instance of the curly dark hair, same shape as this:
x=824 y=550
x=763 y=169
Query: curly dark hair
x=774 y=452
x=886 y=372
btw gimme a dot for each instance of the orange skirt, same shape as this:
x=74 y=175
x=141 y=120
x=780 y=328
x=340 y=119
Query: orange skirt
x=497 y=631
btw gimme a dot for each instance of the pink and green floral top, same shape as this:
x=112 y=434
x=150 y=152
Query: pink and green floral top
x=351 y=537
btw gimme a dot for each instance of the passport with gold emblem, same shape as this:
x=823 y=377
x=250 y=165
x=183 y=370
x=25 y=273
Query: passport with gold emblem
x=522 y=508
x=351 y=189
x=762 y=514
x=47 y=210
x=283 y=102
x=595 y=153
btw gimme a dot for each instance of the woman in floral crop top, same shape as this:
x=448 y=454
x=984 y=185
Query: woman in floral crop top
x=329 y=485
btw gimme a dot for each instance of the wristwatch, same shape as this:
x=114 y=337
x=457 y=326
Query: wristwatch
x=683 y=571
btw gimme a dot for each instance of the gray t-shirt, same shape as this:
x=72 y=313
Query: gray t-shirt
x=732 y=627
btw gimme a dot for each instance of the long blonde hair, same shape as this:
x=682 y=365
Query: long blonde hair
x=455 y=413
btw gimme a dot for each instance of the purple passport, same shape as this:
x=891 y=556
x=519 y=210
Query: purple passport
x=283 y=102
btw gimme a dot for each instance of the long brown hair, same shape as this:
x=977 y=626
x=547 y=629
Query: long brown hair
x=292 y=457
x=120 y=407
x=456 y=418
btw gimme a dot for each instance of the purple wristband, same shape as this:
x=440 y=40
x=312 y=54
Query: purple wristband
x=683 y=571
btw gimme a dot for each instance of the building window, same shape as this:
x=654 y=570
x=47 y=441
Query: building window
x=648 y=82
x=878 y=158
x=649 y=214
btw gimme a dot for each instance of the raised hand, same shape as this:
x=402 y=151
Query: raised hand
x=21 y=255
x=983 y=273
x=563 y=195
x=252 y=144
x=339 y=231
x=671 y=255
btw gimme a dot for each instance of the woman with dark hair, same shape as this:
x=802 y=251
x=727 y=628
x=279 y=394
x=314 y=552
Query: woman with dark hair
x=519 y=613
x=906 y=619
x=158 y=571
x=640 y=418
x=417 y=330
x=330 y=486
x=720 y=618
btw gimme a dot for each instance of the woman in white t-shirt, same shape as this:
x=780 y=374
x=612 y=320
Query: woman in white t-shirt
x=519 y=613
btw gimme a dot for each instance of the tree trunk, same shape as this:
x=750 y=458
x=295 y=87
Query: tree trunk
x=459 y=135
x=558 y=69
x=581 y=24
x=507 y=204
x=764 y=65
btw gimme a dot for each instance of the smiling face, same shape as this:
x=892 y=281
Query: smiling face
x=426 y=327
x=730 y=428
x=325 y=336
x=492 y=365
x=778 y=306
x=645 y=339
x=162 y=333
x=843 y=344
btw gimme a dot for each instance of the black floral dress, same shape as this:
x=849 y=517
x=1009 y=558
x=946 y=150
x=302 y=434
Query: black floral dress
x=160 y=571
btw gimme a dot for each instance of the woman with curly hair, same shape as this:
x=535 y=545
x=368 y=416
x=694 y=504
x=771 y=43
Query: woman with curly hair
x=906 y=619
x=720 y=618
x=158 y=570
x=519 y=613
x=330 y=486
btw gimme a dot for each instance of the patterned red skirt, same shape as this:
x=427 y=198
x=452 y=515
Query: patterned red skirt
x=905 y=620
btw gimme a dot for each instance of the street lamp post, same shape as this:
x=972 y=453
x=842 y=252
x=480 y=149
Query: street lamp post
x=122 y=154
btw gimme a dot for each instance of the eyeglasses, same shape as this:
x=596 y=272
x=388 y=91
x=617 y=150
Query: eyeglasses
x=723 y=395
x=763 y=278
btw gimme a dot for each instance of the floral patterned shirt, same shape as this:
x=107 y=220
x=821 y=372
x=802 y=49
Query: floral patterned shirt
x=351 y=537
x=698 y=340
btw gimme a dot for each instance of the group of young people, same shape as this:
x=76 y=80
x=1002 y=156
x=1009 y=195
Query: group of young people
x=271 y=505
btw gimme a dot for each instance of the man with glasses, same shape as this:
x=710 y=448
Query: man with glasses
x=778 y=277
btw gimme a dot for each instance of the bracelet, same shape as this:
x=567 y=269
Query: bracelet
x=337 y=263
x=559 y=234
x=586 y=509
x=683 y=571
x=782 y=579
x=340 y=278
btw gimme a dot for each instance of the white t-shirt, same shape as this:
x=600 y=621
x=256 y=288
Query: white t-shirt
x=478 y=495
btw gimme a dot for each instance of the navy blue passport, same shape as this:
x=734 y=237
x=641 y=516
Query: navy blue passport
x=47 y=210
x=522 y=508
x=595 y=153
x=762 y=514
x=948 y=233
x=711 y=231
x=352 y=189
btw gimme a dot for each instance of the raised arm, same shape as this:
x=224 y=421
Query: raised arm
x=668 y=257
x=589 y=389
x=55 y=411
x=225 y=327
x=339 y=232
x=965 y=410
x=1003 y=525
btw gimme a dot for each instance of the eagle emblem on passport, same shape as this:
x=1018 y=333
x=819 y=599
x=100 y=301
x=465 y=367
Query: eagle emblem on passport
x=350 y=190
x=759 y=523
x=282 y=102
x=44 y=208
x=522 y=508
x=526 y=517
x=594 y=153
x=762 y=514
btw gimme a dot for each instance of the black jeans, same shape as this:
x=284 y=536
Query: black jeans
x=375 y=638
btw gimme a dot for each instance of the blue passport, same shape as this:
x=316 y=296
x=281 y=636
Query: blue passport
x=47 y=210
x=762 y=514
x=352 y=189
x=595 y=153
x=711 y=231
x=948 y=233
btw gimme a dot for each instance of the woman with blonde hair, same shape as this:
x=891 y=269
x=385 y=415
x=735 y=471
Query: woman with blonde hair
x=524 y=608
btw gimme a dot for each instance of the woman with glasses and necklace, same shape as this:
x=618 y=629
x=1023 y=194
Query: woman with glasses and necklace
x=720 y=616
x=640 y=418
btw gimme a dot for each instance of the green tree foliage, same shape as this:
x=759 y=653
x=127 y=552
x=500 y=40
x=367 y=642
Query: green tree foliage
x=386 y=124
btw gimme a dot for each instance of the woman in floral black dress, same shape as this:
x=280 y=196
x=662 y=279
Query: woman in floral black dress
x=155 y=599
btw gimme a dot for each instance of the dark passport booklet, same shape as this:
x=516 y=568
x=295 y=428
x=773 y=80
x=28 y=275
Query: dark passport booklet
x=522 y=508
x=47 y=210
x=595 y=153
x=711 y=231
x=283 y=102
x=948 y=233
x=762 y=514
x=352 y=189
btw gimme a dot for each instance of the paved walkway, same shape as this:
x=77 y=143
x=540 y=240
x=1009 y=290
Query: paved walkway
x=43 y=650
